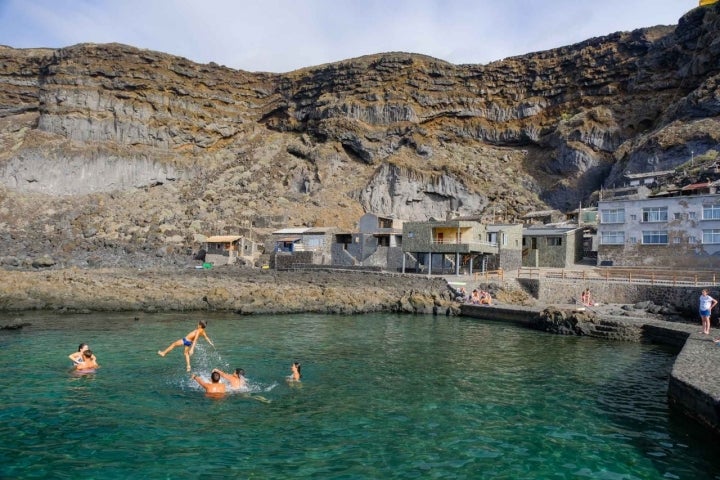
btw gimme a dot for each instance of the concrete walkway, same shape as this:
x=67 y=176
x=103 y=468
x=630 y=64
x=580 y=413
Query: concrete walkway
x=694 y=384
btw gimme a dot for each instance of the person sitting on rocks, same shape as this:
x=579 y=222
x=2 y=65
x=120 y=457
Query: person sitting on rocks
x=485 y=298
x=586 y=298
x=475 y=297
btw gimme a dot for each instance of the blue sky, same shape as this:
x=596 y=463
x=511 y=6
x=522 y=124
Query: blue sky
x=283 y=35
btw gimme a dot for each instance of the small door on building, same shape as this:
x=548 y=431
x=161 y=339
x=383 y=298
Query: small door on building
x=533 y=243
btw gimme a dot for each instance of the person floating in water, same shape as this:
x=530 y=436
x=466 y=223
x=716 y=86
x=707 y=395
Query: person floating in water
x=88 y=364
x=213 y=388
x=236 y=380
x=188 y=341
x=295 y=374
x=77 y=357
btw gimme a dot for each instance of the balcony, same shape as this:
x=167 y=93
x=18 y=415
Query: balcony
x=458 y=246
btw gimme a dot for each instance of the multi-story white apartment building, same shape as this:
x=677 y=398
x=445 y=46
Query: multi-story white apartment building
x=673 y=232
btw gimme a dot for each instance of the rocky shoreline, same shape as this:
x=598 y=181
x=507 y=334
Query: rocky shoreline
x=240 y=290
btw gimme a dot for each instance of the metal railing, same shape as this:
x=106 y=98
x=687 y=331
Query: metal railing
x=626 y=275
x=460 y=242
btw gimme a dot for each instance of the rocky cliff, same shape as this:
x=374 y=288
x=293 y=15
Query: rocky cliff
x=110 y=154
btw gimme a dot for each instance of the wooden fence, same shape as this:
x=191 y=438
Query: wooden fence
x=495 y=275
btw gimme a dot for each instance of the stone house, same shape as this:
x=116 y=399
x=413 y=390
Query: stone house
x=461 y=245
x=377 y=243
x=301 y=245
x=228 y=249
x=669 y=231
x=554 y=247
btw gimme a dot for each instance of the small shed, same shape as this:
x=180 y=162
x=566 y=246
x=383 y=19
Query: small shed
x=223 y=249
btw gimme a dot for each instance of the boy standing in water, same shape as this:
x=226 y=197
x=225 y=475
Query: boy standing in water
x=189 y=342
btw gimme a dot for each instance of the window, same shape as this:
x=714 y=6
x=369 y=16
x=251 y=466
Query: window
x=655 y=237
x=692 y=239
x=711 y=236
x=633 y=240
x=633 y=217
x=655 y=214
x=676 y=215
x=692 y=215
x=711 y=212
x=612 y=238
x=554 y=241
x=612 y=215
x=676 y=240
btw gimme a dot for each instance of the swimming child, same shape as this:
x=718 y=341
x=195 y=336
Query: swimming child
x=189 y=342
x=77 y=357
x=236 y=380
x=88 y=362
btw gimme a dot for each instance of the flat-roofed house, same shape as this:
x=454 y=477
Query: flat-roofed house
x=226 y=249
x=554 y=247
x=301 y=245
x=461 y=245
x=377 y=243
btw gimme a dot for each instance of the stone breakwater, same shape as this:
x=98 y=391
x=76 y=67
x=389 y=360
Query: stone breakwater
x=240 y=290
x=694 y=383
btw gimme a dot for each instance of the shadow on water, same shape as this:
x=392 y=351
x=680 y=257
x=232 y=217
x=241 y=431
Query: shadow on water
x=637 y=409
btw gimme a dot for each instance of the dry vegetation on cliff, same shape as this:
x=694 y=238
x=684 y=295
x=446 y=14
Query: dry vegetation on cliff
x=116 y=156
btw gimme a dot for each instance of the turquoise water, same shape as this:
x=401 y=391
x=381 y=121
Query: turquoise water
x=382 y=396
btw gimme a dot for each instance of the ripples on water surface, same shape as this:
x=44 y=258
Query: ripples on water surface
x=382 y=396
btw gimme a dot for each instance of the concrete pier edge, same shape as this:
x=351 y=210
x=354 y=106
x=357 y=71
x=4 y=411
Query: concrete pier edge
x=694 y=382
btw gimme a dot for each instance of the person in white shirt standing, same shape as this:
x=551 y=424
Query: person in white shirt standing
x=707 y=303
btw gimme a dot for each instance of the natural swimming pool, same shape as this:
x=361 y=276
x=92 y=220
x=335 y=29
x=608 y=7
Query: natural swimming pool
x=382 y=396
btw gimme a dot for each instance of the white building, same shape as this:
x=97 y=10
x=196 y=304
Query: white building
x=673 y=232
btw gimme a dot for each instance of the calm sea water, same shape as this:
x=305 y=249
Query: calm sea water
x=382 y=396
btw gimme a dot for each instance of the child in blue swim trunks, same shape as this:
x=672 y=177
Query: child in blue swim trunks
x=188 y=341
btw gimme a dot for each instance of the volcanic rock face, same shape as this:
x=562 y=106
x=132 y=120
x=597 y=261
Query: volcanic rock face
x=108 y=148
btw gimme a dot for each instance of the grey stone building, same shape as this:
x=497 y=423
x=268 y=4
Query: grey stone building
x=228 y=249
x=461 y=245
x=301 y=245
x=377 y=243
x=554 y=247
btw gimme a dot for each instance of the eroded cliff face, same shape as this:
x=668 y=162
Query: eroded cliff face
x=111 y=148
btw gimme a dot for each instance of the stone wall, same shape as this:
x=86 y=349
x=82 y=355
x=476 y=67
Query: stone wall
x=684 y=299
x=284 y=260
